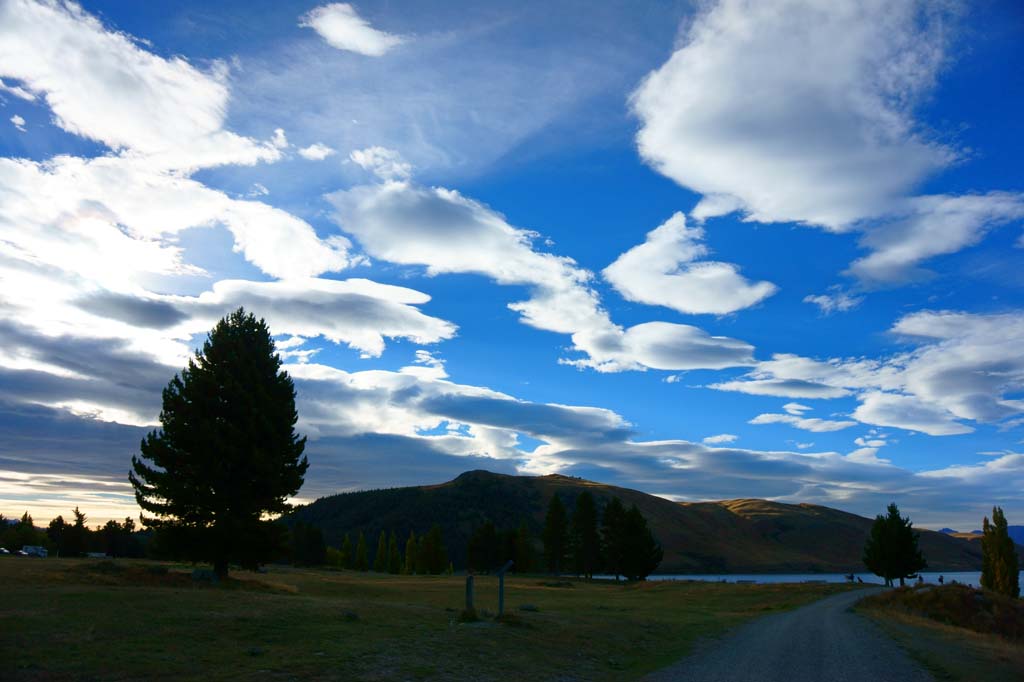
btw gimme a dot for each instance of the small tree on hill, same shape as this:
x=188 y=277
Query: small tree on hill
x=1000 y=571
x=362 y=561
x=227 y=457
x=380 y=557
x=411 y=551
x=891 y=550
x=555 y=535
x=585 y=543
x=394 y=556
x=641 y=551
x=613 y=524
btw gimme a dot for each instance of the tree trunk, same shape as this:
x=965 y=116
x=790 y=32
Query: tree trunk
x=220 y=567
x=902 y=583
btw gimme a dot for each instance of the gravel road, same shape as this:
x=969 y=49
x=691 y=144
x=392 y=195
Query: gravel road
x=820 y=642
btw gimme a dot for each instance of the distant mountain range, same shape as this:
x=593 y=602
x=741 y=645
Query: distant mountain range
x=730 y=536
x=1016 y=534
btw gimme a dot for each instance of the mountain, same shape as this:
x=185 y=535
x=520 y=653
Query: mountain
x=730 y=536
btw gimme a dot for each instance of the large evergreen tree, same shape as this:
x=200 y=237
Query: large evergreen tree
x=1000 y=570
x=641 y=551
x=555 y=535
x=394 y=556
x=227 y=455
x=613 y=523
x=362 y=561
x=891 y=550
x=348 y=555
x=584 y=539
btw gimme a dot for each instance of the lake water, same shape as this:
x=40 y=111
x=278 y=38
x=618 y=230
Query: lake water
x=972 y=578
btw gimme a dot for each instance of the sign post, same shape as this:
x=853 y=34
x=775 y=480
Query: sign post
x=501 y=586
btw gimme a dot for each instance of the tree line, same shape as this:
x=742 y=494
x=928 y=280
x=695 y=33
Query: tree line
x=73 y=539
x=620 y=543
x=425 y=555
x=892 y=553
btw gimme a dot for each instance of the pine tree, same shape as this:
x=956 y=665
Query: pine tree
x=348 y=557
x=613 y=522
x=1000 y=570
x=227 y=456
x=380 y=557
x=394 y=556
x=362 y=562
x=523 y=549
x=482 y=552
x=411 y=550
x=891 y=549
x=584 y=540
x=641 y=552
x=432 y=555
x=555 y=535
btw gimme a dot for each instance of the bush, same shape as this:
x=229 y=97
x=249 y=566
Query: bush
x=957 y=605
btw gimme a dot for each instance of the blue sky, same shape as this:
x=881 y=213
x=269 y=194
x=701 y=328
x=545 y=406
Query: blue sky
x=719 y=250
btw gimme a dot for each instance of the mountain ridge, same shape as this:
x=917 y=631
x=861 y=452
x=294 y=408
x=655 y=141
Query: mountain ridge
x=744 y=535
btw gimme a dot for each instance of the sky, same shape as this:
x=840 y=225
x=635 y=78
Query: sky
x=706 y=250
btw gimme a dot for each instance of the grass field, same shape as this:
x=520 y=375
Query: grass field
x=66 y=619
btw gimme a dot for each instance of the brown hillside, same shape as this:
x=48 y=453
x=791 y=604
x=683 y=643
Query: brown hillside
x=731 y=536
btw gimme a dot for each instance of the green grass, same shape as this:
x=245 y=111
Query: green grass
x=957 y=632
x=77 y=620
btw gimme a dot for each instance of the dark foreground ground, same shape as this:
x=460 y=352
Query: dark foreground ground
x=89 y=620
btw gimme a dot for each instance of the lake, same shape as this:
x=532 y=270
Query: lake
x=972 y=578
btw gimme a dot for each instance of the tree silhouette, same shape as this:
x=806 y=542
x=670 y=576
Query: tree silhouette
x=1000 y=571
x=482 y=551
x=227 y=456
x=362 y=562
x=394 y=556
x=348 y=555
x=585 y=542
x=613 y=523
x=555 y=535
x=891 y=549
x=641 y=552
x=380 y=557
x=411 y=550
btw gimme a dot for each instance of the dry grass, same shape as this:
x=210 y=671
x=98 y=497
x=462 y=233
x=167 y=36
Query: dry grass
x=959 y=633
x=69 y=620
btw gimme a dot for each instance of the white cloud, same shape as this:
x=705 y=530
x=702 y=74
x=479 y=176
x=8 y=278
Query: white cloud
x=18 y=122
x=800 y=112
x=19 y=92
x=103 y=86
x=795 y=408
x=401 y=222
x=804 y=423
x=316 y=152
x=386 y=164
x=838 y=301
x=965 y=367
x=932 y=226
x=666 y=270
x=721 y=438
x=342 y=28
x=279 y=139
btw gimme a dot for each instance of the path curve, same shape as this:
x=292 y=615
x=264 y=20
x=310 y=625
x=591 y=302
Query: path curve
x=821 y=642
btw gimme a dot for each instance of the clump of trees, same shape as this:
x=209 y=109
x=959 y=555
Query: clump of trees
x=891 y=550
x=1000 y=570
x=226 y=458
x=490 y=548
x=425 y=555
x=621 y=544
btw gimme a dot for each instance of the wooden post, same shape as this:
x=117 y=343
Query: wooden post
x=469 y=593
x=501 y=587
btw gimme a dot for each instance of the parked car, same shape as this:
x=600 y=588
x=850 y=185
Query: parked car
x=20 y=553
x=35 y=550
x=3 y=550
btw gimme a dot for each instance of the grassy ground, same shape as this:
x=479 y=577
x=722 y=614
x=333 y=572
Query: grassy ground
x=82 y=620
x=958 y=633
